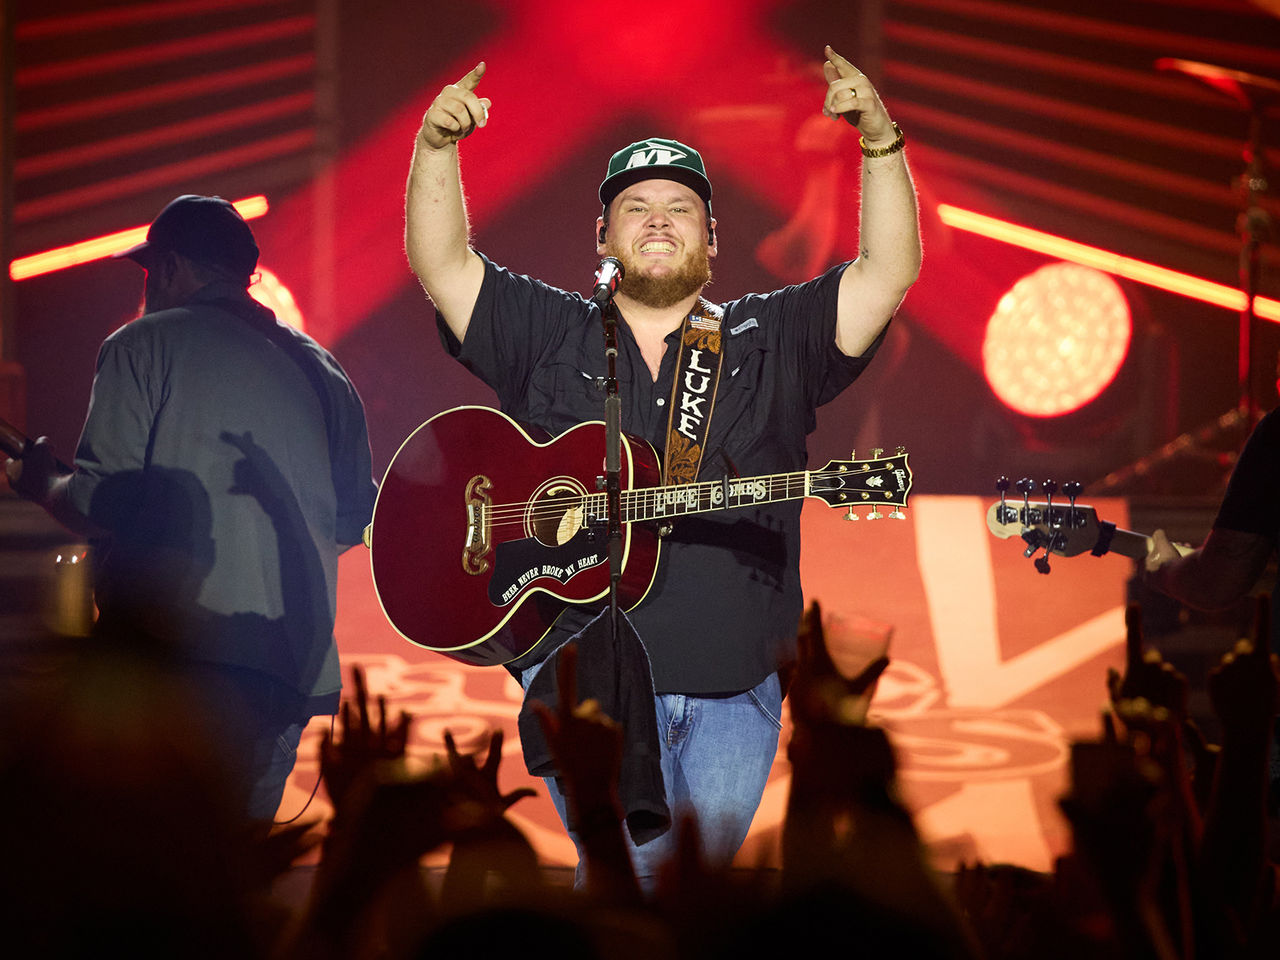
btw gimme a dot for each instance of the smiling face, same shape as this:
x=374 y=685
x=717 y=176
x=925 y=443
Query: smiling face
x=658 y=229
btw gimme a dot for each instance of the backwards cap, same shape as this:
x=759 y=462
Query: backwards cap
x=207 y=229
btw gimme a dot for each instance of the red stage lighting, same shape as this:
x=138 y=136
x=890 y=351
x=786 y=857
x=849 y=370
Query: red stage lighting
x=276 y=297
x=1056 y=340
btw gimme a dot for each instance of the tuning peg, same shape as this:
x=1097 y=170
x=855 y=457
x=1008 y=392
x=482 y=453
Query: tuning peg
x=1050 y=487
x=1002 y=484
x=899 y=451
x=1073 y=489
x=874 y=514
x=853 y=454
x=1025 y=486
x=897 y=514
x=850 y=515
x=877 y=453
x=1042 y=563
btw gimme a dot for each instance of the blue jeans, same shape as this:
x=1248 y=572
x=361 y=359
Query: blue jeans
x=716 y=756
x=274 y=753
x=257 y=722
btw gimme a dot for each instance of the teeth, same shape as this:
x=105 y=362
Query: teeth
x=658 y=246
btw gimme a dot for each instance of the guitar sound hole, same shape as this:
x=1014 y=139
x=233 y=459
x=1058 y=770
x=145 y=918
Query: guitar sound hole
x=557 y=516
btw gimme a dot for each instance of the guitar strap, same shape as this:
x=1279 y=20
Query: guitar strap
x=693 y=392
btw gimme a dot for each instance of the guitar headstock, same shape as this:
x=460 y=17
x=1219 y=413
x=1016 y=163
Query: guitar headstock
x=879 y=481
x=1065 y=528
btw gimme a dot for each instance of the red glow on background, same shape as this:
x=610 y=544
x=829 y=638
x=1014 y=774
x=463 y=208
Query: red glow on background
x=276 y=297
x=85 y=251
x=669 y=77
x=1056 y=340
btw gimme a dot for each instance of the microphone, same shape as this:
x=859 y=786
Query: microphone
x=608 y=276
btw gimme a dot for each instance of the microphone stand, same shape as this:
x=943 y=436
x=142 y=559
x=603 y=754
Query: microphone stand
x=612 y=458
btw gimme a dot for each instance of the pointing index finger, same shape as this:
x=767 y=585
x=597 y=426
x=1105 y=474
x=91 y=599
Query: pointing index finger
x=844 y=66
x=472 y=79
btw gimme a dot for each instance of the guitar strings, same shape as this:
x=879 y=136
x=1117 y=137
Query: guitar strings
x=778 y=487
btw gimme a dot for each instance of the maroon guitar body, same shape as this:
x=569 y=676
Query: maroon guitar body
x=481 y=534
x=478 y=539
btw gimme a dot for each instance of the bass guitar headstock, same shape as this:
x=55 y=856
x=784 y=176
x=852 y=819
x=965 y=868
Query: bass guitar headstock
x=880 y=481
x=1066 y=529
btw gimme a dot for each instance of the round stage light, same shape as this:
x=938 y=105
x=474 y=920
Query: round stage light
x=1056 y=340
x=276 y=297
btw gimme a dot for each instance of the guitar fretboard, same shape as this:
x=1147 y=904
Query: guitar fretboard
x=654 y=503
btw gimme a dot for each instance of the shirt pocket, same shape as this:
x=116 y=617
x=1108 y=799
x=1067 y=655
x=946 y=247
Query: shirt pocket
x=563 y=394
x=742 y=407
x=742 y=382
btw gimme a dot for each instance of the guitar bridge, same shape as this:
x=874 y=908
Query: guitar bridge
x=478 y=545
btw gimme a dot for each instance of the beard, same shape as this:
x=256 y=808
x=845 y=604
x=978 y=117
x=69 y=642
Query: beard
x=665 y=291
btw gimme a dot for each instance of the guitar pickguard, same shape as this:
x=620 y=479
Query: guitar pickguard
x=518 y=563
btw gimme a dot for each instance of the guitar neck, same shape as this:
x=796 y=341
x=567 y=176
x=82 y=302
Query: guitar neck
x=1129 y=544
x=655 y=503
x=12 y=441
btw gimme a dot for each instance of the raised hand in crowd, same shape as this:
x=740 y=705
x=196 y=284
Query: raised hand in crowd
x=1151 y=701
x=363 y=744
x=586 y=746
x=828 y=713
x=1121 y=837
x=845 y=827
x=819 y=686
x=1147 y=675
x=386 y=818
x=486 y=845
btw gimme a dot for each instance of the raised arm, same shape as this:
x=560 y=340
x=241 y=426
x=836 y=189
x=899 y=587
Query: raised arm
x=437 y=232
x=889 y=232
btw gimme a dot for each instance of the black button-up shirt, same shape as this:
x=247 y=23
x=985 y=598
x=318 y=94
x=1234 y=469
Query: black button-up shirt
x=722 y=612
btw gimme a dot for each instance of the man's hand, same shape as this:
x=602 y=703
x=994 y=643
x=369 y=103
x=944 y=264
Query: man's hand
x=851 y=95
x=32 y=476
x=455 y=112
x=1163 y=550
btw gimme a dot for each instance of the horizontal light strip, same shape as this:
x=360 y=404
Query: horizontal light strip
x=1056 y=108
x=185 y=171
x=1138 y=270
x=948 y=163
x=1157 y=84
x=203 y=126
x=155 y=94
x=114 y=61
x=1077 y=158
x=1006 y=15
x=77 y=253
x=125 y=16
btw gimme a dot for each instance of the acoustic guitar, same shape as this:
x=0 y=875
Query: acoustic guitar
x=481 y=534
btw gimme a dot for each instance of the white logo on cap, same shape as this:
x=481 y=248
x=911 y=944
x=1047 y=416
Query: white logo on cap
x=658 y=154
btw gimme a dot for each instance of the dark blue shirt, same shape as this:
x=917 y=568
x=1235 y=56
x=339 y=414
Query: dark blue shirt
x=228 y=456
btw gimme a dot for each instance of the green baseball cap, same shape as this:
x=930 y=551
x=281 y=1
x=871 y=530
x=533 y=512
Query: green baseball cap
x=656 y=159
